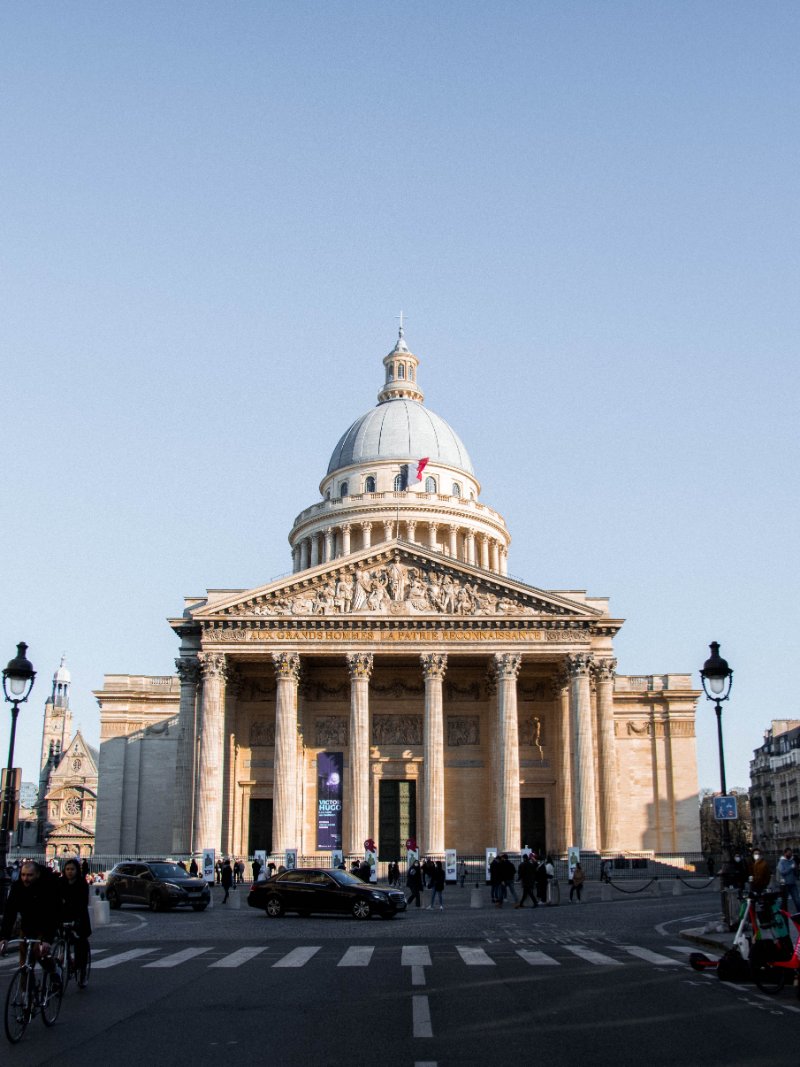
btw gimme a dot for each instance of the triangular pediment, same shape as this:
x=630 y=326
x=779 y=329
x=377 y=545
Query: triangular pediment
x=68 y=830
x=77 y=760
x=396 y=579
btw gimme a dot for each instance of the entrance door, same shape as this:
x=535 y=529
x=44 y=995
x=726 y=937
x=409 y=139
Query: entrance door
x=532 y=824
x=260 y=835
x=397 y=819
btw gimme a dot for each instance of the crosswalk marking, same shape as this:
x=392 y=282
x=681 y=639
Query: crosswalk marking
x=298 y=956
x=537 y=959
x=685 y=950
x=357 y=956
x=177 y=957
x=474 y=957
x=421 y=1016
x=415 y=956
x=589 y=954
x=652 y=957
x=121 y=957
x=237 y=958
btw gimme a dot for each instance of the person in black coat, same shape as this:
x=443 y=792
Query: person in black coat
x=527 y=879
x=226 y=879
x=35 y=898
x=74 y=892
x=414 y=883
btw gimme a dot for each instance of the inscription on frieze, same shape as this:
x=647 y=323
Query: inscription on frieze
x=262 y=733
x=463 y=730
x=397 y=729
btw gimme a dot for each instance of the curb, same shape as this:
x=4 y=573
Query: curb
x=711 y=941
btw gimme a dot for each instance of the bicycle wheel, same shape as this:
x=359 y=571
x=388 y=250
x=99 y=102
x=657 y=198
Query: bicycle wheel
x=86 y=969
x=18 y=1010
x=52 y=992
x=769 y=979
x=61 y=956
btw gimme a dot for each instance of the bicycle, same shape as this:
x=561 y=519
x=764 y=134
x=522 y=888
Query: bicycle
x=774 y=958
x=65 y=954
x=27 y=996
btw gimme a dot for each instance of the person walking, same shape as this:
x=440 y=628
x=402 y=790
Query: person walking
x=462 y=873
x=541 y=880
x=507 y=874
x=787 y=873
x=226 y=879
x=576 y=883
x=414 y=883
x=193 y=868
x=527 y=879
x=760 y=872
x=437 y=885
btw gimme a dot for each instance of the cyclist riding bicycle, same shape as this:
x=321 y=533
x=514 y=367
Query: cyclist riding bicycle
x=35 y=898
x=74 y=893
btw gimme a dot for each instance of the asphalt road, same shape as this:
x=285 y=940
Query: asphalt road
x=595 y=983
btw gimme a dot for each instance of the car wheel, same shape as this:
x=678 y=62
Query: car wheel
x=113 y=900
x=274 y=907
x=199 y=907
x=361 y=909
x=155 y=902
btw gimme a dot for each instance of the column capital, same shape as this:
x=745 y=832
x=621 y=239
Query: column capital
x=359 y=664
x=287 y=665
x=212 y=664
x=453 y=527
x=366 y=525
x=559 y=681
x=434 y=664
x=579 y=664
x=188 y=670
x=605 y=669
x=507 y=664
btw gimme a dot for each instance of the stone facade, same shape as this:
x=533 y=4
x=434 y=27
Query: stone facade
x=489 y=710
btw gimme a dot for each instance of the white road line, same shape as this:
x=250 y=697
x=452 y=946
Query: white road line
x=418 y=976
x=591 y=956
x=177 y=958
x=474 y=957
x=421 y=1015
x=121 y=957
x=237 y=958
x=298 y=956
x=685 y=950
x=652 y=957
x=537 y=959
x=357 y=956
x=415 y=956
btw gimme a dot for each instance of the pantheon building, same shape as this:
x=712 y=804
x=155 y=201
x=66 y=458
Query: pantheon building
x=397 y=684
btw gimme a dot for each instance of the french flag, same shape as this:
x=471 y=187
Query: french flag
x=423 y=463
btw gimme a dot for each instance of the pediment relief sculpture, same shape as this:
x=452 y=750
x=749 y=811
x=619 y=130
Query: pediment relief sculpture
x=395 y=588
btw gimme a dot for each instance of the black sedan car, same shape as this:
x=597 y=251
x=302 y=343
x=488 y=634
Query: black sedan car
x=316 y=889
x=160 y=884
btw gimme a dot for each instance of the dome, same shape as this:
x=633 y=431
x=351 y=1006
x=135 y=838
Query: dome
x=400 y=429
x=62 y=674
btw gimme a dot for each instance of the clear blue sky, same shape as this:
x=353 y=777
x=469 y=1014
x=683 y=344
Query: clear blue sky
x=212 y=214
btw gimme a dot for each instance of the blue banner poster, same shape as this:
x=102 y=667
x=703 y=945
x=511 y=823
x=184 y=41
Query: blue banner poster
x=330 y=772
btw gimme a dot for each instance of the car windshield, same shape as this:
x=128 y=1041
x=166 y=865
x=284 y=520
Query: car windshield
x=345 y=878
x=170 y=871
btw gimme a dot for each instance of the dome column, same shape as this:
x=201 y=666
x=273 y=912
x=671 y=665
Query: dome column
x=305 y=554
x=485 y=551
x=470 y=547
x=360 y=666
x=453 y=531
x=314 y=549
x=504 y=561
x=433 y=669
x=387 y=531
x=411 y=527
x=346 y=539
x=328 y=545
x=495 y=557
x=432 y=528
x=366 y=534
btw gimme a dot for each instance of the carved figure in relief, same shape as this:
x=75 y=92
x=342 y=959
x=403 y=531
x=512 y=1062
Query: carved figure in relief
x=377 y=592
x=331 y=730
x=462 y=730
x=344 y=593
x=417 y=596
x=360 y=589
x=396 y=580
x=447 y=601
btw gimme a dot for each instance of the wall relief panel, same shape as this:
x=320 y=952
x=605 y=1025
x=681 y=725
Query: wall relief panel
x=262 y=733
x=397 y=729
x=463 y=730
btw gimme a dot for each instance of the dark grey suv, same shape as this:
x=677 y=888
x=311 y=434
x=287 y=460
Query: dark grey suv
x=159 y=884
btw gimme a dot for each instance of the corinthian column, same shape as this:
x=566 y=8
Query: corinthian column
x=584 y=820
x=189 y=674
x=506 y=671
x=433 y=668
x=607 y=754
x=284 y=788
x=346 y=539
x=208 y=812
x=561 y=693
x=360 y=667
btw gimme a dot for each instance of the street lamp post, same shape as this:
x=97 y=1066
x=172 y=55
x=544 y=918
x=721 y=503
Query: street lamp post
x=717 y=679
x=18 y=679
